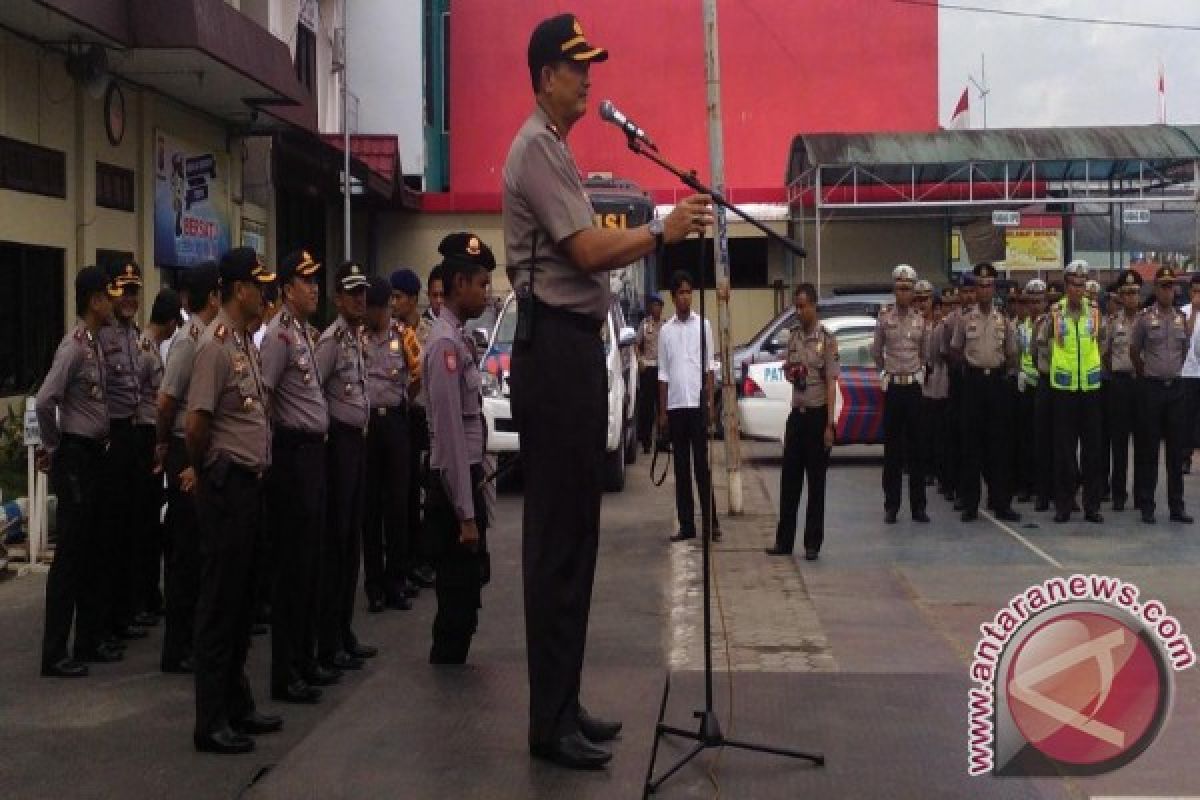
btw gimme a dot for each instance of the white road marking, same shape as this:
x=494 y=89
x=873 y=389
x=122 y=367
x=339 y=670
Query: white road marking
x=1039 y=551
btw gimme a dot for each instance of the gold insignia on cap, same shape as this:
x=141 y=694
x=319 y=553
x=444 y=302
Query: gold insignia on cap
x=304 y=256
x=354 y=270
x=129 y=270
x=473 y=244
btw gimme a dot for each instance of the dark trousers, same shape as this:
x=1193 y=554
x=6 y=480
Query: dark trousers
x=559 y=402
x=1191 y=389
x=647 y=410
x=461 y=573
x=953 y=429
x=689 y=449
x=902 y=447
x=1122 y=407
x=418 y=460
x=1024 y=443
x=1077 y=428
x=181 y=576
x=1105 y=440
x=229 y=507
x=1043 y=434
x=346 y=466
x=985 y=438
x=73 y=583
x=386 y=546
x=1163 y=419
x=934 y=434
x=124 y=483
x=296 y=504
x=148 y=530
x=804 y=454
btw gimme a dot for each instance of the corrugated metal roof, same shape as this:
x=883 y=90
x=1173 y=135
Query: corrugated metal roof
x=1158 y=143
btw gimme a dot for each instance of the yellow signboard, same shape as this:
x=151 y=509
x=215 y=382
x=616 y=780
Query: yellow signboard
x=1033 y=248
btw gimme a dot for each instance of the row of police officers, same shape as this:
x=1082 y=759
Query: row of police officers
x=285 y=463
x=1036 y=403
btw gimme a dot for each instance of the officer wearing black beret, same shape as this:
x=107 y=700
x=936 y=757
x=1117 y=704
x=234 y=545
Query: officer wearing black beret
x=556 y=259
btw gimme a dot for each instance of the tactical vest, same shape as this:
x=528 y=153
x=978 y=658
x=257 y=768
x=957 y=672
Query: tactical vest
x=1075 y=350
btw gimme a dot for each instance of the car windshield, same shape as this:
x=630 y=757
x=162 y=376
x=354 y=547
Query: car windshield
x=854 y=347
x=763 y=330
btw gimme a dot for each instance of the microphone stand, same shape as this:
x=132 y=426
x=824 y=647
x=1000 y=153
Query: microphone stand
x=708 y=733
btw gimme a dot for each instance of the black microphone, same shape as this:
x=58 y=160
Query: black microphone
x=609 y=113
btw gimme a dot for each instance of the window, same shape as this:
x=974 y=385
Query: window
x=31 y=281
x=306 y=58
x=114 y=187
x=854 y=347
x=28 y=168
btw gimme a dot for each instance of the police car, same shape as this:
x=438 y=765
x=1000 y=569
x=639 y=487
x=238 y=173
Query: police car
x=621 y=436
x=765 y=395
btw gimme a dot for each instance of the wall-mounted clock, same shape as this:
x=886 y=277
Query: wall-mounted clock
x=114 y=113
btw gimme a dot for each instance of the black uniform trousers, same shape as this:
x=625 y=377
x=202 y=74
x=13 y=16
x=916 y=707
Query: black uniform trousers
x=953 y=429
x=902 y=447
x=647 y=410
x=1163 y=419
x=804 y=454
x=296 y=502
x=1191 y=388
x=559 y=402
x=74 y=580
x=120 y=509
x=985 y=442
x=181 y=574
x=1043 y=434
x=1025 y=466
x=1122 y=407
x=346 y=468
x=418 y=462
x=461 y=573
x=1077 y=429
x=1105 y=439
x=934 y=436
x=387 y=551
x=689 y=450
x=148 y=530
x=229 y=509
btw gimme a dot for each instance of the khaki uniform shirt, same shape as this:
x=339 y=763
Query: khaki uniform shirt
x=986 y=340
x=899 y=341
x=648 y=340
x=343 y=374
x=150 y=376
x=119 y=344
x=1041 y=343
x=178 y=373
x=815 y=354
x=1114 y=348
x=387 y=368
x=544 y=200
x=453 y=389
x=937 y=378
x=1162 y=339
x=289 y=368
x=74 y=387
x=226 y=384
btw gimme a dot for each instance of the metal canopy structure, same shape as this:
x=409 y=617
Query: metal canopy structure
x=959 y=174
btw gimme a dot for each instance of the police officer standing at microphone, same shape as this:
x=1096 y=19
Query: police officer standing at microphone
x=556 y=260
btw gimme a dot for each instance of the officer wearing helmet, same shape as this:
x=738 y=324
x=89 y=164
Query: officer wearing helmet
x=899 y=354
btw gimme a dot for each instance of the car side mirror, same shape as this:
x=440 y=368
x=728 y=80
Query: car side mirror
x=771 y=347
x=627 y=338
x=480 y=335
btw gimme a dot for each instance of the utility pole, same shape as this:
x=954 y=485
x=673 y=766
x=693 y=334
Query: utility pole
x=716 y=157
x=346 y=233
x=981 y=85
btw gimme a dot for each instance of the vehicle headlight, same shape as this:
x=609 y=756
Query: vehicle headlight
x=491 y=385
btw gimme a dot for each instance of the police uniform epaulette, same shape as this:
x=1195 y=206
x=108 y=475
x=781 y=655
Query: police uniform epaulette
x=79 y=334
x=220 y=333
x=285 y=318
x=145 y=343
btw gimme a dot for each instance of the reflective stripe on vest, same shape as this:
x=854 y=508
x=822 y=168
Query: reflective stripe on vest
x=1074 y=350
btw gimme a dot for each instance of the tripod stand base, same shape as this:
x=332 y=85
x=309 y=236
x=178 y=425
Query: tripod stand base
x=708 y=735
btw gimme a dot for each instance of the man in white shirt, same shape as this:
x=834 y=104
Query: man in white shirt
x=1191 y=373
x=685 y=408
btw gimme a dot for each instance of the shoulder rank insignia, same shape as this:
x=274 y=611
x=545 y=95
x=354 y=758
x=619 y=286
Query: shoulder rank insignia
x=285 y=318
x=194 y=331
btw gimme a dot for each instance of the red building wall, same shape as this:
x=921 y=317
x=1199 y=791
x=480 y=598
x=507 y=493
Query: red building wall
x=787 y=67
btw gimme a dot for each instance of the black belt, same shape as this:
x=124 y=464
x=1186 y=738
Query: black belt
x=291 y=437
x=383 y=411
x=122 y=422
x=1166 y=383
x=574 y=319
x=99 y=444
x=337 y=425
x=986 y=371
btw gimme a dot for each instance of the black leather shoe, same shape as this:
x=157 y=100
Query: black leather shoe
x=597 y=730
x=716 y=534
x=128 y=634
x=1118 y=505
x=1094 y=517
x=362 y=650
x=113 y=643
x=410 y=589
x=1041 y=505
x=399 y=602
x=920 y=516
x=683 y=537
x=959 y=505
x=343 y=661
x=224 y=742
x=260 y=629
x=422 y=576
x=101 y=655
x=775 y=551
x=184 y=666
x=65 y=668
x=1075 y=505
x=1062 y=516
x=810 y=554
x=1181 y=516
x=146 y=619
x=1024 y=497
x=889 y=517
x=257 y=724
x=297 y=692
x=374 y=604
x=573 y=751
x=1008 y=515
x=322 y=676
x=969 y=516
x=1148 y=517
x=950 y=495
